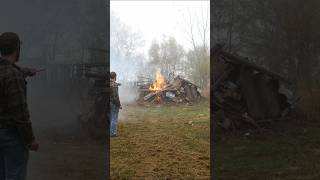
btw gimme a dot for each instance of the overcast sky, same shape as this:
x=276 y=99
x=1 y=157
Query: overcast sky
x=154 y=19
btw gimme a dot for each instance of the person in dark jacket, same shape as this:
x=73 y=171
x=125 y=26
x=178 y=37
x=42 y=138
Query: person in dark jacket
x=16 y=133
x=115 y=104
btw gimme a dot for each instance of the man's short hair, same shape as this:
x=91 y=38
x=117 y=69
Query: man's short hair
x=9 y=43
x=113 y=75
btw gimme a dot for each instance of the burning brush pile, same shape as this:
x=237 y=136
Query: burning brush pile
x=171 y=90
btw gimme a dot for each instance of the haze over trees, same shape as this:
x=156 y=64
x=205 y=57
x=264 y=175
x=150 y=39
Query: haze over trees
x=282 y=35
x=167 y=54
x=125 y=57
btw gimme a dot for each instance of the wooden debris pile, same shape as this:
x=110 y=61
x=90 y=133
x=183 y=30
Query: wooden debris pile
x=245 y=93
x=172 y=90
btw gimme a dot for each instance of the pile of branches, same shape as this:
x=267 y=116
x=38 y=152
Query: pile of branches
x=175 y=91
x=247 y=94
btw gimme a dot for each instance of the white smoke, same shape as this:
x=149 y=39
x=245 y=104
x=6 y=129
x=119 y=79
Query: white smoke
x=128 y=70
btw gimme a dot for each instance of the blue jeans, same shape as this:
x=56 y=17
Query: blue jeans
x=114 y=119
x=14 y=156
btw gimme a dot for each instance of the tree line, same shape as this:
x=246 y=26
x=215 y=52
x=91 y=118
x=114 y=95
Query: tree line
x=166 y=55
x=282 y=35
x=56 y=30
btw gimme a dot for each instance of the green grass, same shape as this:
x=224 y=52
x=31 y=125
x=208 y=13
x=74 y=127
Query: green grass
x=160 y=142
x=290 y=151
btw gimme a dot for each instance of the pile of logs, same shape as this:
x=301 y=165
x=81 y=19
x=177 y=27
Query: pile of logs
x=175 y=90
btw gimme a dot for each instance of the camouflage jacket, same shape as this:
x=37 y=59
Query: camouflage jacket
x=13 y=101
x=114 y=94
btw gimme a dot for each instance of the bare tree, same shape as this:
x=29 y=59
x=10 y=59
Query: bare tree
x=198 y=56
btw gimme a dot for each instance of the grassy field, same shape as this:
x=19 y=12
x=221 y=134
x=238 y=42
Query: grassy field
x=290 y=151
x=162 y=142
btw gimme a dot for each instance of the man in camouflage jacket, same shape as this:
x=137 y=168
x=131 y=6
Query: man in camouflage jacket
x=16 y=134
x=115 y=104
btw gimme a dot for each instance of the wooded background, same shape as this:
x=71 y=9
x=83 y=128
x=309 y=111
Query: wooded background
x=167 y=55
x=282 y=35
x=57 y=31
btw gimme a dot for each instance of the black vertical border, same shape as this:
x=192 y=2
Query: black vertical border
x=211 y=96
x=107 y=149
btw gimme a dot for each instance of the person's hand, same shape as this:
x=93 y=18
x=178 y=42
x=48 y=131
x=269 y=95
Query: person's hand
x=34 y=146
x=120 y=107
x=31 y=71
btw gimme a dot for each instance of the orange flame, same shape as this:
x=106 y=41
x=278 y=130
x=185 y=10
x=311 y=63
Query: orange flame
x=159 y=83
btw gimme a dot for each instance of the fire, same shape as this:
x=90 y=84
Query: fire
x=159 y=83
